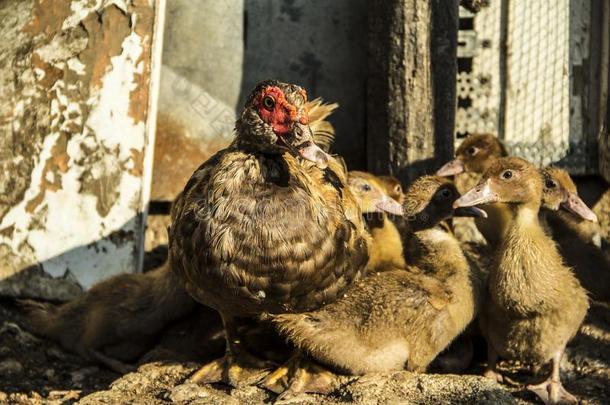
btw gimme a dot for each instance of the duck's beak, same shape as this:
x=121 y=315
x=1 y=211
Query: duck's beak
x=304 y=145
x=451 y=168
x=469 y=212
x=578 y=207
x=481 y=194
x=389 y=205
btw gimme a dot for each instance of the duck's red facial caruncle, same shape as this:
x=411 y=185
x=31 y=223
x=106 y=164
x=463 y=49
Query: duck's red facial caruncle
x=276 y=110
x=286 y=113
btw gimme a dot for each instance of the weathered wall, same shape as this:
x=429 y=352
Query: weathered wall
x=215 y=52
x=74 y=91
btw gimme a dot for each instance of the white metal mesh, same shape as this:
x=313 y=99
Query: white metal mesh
x=515 y=62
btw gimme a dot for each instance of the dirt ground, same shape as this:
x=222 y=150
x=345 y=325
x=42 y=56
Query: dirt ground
x=36 y=371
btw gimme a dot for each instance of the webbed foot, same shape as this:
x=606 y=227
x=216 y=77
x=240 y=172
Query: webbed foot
x=493 y=375
x=552 y=392
x=232 y=370
x=300 y=375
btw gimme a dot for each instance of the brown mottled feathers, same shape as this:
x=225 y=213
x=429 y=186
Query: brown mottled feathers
x=266 y=233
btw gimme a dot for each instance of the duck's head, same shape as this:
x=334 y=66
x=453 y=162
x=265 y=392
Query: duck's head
x=391 y=185
x=559 y=191
x=370 y=195
x=429 y=200
x=509 y=180
x=475 y=154
x=275 y=119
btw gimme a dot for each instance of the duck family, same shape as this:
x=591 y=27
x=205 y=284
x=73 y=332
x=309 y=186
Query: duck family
x=355 y=273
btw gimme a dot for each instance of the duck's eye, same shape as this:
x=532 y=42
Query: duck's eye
x=268 y=103
x=507 y=174
x=550 y=184
x=446 y=193
x=398 y=190
x=472 y=151
x=365 y=187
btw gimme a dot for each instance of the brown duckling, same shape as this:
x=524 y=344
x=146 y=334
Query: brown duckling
x=536 y=304
x=474 y=155
x=392 y=187
x=385 y=249
x=118 y=319
x=575 y=229
x=398 y=319
x=266 y=225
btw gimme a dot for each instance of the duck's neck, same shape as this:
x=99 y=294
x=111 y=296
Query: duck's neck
x=525 y=259
x=564 y=226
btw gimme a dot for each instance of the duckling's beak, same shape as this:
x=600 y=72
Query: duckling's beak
x=389 y=205
x=578 y=207
x=481 y=194
x=304 y=145
x=469 y=212
x=451 y=168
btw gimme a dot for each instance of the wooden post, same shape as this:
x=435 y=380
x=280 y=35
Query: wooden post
x=604 y=89
x=443 y=45
x=402 y=138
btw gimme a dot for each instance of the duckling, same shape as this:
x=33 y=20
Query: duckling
x=398 y=319
x=118 y=319
x=392 y=187
x=267 y=225
x=475 y=154
x=472 y=158
x=536 y=304
x=574 y=227
x=385 y=249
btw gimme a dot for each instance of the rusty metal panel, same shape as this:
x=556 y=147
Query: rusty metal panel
x=74 y=146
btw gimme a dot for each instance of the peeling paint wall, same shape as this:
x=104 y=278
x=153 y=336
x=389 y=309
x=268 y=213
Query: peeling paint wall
x=74 y=91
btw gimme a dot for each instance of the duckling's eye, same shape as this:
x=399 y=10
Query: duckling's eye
x=398 y=190
x=472 y=151
x=365 y=187
x=268 y=103
x=507 y=174
x=550 y=184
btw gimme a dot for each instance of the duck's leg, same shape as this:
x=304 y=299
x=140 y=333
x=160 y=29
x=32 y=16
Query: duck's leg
x=237 y=367
x=492 y=359
x=551 y=391
x=300 y=375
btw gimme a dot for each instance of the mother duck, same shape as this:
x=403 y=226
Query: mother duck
x=266 y=225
